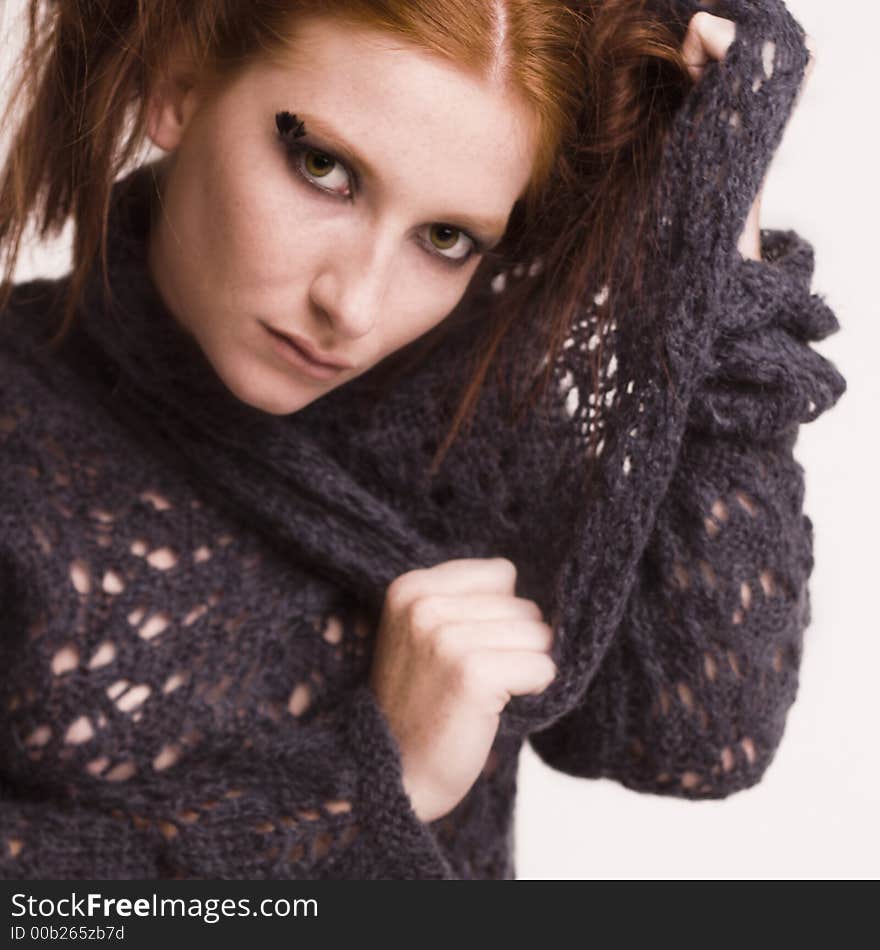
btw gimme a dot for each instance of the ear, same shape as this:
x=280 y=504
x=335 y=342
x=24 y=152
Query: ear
x=173 y=102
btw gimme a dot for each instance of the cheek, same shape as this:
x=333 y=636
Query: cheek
x=420 y=298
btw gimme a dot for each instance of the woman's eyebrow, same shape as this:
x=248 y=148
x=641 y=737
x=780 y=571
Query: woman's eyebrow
x=489 y=229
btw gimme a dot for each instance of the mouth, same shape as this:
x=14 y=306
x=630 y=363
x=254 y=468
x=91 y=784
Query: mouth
x=299 y=358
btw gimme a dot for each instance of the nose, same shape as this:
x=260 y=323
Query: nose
x=350 y=287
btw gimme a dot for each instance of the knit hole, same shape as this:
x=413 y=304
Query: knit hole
x=97 y=766
x=321 y=845
x=663 y=700
x=168 y=829
x=690 y=779
x=79 y=731
x=749 y=748
x=133 y=697
x=80 y=577
x=747 y=503
x=767 y=583
x=14 y=846
x=121 y=772
x=686 y=696
x=101 y=516
x=708 y=574
x=338 y=806
x=159 y=502
x=65 y=660
x=333 y=629
x=162 y=558
x=218 y=690
x=139 y=547
x=112 y=583
x=202 y=554
x=167 y=756
x=734 y=663
x=768 y=55
x=745 y=593
x=197 y=611
x=719 y=510
x=735 y=119
x=778 y=659
x=299 y=699
x=681 y=575
x=39 y=737
x=174 y=682
x=710 y=667
x=157 y=624
x=727 y=759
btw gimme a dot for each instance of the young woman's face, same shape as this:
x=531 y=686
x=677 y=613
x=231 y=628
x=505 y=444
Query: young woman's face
x=357 y=256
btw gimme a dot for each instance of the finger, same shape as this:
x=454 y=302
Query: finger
x=708 y=37
x=512 y=674
x=483 y=607
x=462 y=576
x=497 y=636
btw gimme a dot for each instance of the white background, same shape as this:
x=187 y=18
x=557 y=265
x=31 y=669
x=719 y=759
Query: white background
x=815 y=813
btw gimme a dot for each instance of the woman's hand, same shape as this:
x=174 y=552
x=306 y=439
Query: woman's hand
x=708 y=38
x=454 y=644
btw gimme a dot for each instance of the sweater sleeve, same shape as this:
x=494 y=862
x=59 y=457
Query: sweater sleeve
x=307 y=800
x=692 y=696
x=326 y=803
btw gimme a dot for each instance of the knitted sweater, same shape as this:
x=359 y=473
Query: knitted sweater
x=190 y=587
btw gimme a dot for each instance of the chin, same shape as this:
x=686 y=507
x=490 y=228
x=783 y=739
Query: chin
x=263 y=389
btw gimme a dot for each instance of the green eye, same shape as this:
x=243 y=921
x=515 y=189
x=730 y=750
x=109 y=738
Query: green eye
x=443 y=237
x=318 y=164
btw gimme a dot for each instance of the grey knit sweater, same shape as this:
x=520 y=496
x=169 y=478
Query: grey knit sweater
x=189 y=588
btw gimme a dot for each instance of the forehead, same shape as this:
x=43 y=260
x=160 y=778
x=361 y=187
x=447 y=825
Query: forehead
x=411 y=112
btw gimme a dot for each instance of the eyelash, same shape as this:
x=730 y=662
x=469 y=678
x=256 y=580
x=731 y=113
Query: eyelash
x=295 y=149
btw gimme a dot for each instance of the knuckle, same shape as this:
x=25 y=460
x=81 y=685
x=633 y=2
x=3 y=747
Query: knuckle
x=399 y=589
x=423 y=614
x=507 y=565
x=699 y=20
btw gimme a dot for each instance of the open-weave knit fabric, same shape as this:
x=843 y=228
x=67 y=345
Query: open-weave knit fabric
x=189 y=587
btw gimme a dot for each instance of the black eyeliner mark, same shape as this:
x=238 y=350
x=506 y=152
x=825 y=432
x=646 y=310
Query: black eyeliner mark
x=289 y=125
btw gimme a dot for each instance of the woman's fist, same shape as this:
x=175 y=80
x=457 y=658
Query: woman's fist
x=454 y=644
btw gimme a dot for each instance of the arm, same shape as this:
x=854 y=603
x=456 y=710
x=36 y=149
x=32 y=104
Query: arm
x=692 y=696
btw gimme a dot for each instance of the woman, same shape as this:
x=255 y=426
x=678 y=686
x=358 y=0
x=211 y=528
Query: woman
x=258 y=619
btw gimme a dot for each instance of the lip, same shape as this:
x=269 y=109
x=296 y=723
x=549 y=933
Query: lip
x=297 y=352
